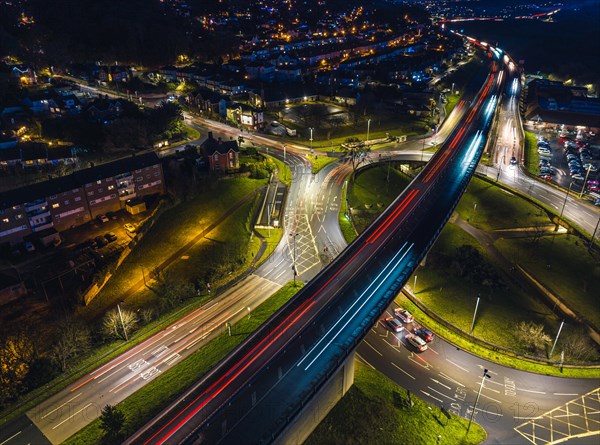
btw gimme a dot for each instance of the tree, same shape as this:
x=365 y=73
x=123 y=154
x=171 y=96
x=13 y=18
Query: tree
x=112 y=421
x=16 y=355
x=531 y=336
x=72 y=340
x=112 y=326
x=356 y=151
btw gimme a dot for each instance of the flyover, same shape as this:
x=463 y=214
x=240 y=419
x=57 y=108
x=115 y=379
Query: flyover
x=259 y=388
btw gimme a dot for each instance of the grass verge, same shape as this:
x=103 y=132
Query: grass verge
x=346 y=226
x=489 y=208
x=532 y=157
x=143 y=404
x=494 y=356
x=318 y=161
x=284 y=173
x=376 y=411
x=565 y=266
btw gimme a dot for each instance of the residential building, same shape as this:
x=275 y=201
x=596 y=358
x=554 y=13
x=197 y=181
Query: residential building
x=222 y=155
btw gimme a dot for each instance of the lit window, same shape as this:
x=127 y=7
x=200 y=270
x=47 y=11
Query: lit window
x=99 y=181
x=55 y=205
x=5 y=220
x=110 y=187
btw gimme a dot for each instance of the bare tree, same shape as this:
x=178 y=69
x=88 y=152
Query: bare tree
x=113 y=327
x=531 y=336
x=171 y=292
x=356 y=151
x=73 y=339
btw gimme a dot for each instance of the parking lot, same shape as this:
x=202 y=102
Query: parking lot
x=565 y=157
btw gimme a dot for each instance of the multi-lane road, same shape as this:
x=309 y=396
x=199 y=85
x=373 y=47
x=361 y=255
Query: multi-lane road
x=311 y=219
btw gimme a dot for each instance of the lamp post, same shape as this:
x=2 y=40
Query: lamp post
x=585 y=181
x=294 y=235
x=122 y=324
x=475 y=314
x=562 y=210
x=368 y=128
x=483 y=377
x=593 y=235
x=556 y=339
x=311 y=139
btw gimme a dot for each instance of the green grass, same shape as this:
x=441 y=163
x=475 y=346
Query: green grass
x=192 y=133
x=532 y=157
x=285 y=175
x=494 y=356
x=346 y=226
x=318 y=161
x=453 y=297
x=145 y=403
x=176 y=227
x=574 y=274
x=498 y=209
x=372 y=412
x=453 y=99
x=371 y=193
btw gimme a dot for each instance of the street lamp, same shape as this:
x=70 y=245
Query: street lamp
x=122 y=324
x=294 y=235
x=311 y=139
x=368 y=128
x=483 y=377
x=585 y=181
x=563 y=208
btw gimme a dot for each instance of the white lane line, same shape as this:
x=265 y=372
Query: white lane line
x=55 y=409
x=531 y=390
x=451 y=379
x=442 y=394
x=393 y=364
x=11 y=437
x=360 y=357
x=567 y=415
x=490 y=389
x=489 y=412
x=487 y=397
x=458 y=366
x=433 y=397
x=439 y=383
x=373 y=348
x=70 y=417
x=111 y=374
x=564 y=394
x=433 y=350
x=528 y=418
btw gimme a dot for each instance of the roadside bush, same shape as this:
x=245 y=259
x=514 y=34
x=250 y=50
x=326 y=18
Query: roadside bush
x=531 y=337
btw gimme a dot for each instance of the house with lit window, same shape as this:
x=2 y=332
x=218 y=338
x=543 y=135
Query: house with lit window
x=221 y=155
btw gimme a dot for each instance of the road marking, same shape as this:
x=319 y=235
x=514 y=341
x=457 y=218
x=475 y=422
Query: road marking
x=531 y=390
x=451 y=379
x=169 y=361
x=11 y=437
x=371 y=346
x=159 y=351
x=528 y=418
x=564 y=394
x=360 y=357
x=487 y=397
x=393 y=364
x=70 y=417
x=68 y=401
x=490 y=389
x=433 y=397
x=567 y=415
x=442 y=394
x=489 y=412
x=458 y=366
x=433 y=350
x=440 y=383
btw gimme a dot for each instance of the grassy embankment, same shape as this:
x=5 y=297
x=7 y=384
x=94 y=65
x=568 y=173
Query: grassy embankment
x=141 y=406
x=532 y=157
x=380 y=413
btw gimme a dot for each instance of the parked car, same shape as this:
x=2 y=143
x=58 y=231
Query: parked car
x=546 y=177
x=110 y=237
x=394 y=324
x=29 y=247
x=129 y=227
x=424 y=333
x=578 y=177
x=416 y=341
x=100 y=241
x=404 y=315
x=102 y=218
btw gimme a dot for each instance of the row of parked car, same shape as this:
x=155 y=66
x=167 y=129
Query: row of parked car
x=419 y=337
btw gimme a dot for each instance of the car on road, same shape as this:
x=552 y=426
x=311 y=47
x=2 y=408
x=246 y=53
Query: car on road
x=404 y=315
x=424 y=333
x=416 y=341
x=102 y=218
x=129 y=227
x=546 y=177
x=110 y=237
x=394 y=324
x=513 y=161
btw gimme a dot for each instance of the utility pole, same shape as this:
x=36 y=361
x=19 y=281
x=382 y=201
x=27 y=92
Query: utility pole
x=585 y=181
x=475 y=314
x=368 y=128
x=556 y=339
